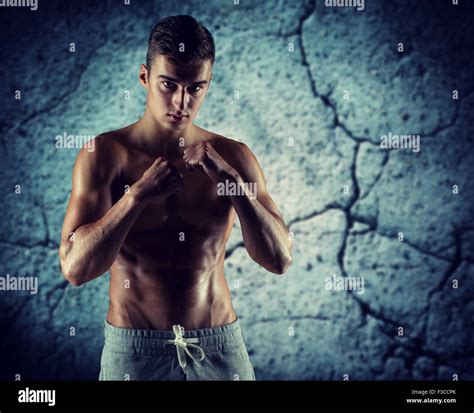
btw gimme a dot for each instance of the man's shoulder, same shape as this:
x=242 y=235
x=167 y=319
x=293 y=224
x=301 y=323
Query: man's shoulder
x=113 y=144
x=104 y=154
x=235 y=149
x=238 y=155
x=114 y=140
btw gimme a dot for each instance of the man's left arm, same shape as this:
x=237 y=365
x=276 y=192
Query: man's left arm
x=265 y=235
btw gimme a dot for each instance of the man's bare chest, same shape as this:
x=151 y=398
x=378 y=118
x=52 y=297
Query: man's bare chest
x=198 y=206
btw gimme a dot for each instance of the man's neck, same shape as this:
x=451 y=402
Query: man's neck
x=155 y=140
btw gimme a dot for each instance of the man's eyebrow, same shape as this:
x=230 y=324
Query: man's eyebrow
x=172 y=79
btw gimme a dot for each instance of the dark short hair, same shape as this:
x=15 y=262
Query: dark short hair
x=172 y=33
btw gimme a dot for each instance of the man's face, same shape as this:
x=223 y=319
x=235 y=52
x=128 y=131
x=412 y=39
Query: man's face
x=175 y=93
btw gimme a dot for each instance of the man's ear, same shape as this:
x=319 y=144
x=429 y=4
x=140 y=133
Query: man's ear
x=143 y=76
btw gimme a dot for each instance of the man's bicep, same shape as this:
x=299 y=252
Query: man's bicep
x=251 y=172
x=90 y=197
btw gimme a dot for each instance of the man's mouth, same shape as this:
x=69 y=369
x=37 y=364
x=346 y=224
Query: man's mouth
x=176 y=118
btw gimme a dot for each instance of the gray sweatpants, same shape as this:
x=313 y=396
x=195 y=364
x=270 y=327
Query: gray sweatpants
x=217 y=353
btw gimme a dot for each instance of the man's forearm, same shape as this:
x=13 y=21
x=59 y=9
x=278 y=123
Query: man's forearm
x=265 y=235
x=92 y=248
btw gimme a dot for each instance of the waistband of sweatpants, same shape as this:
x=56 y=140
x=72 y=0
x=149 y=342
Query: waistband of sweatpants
x=154 y=342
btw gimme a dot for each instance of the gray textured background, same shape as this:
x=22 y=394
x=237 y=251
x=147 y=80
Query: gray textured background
x=283 y=95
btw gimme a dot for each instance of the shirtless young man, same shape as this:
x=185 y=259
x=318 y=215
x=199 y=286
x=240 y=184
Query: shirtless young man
x=145 y=205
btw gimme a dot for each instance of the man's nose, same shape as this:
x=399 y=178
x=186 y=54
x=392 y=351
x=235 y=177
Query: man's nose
x=180 y=99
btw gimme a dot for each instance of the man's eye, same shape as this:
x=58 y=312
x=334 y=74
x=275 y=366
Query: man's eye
x=168 y=85
x=195 y=89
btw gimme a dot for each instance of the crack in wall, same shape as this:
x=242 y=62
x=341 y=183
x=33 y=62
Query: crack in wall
x=452 y=122
x=47 y=240
x=50 y=245
x=324 y=98
x=378 y=177
x=315 y=214
x=393 y=235
x=290 y=318
x=62 y=286
x=231 y=250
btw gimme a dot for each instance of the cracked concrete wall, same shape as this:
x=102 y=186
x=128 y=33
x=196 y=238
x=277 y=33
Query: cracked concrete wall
x=319 y=86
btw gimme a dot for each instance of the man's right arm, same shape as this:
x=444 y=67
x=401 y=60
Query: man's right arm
x=93 y=229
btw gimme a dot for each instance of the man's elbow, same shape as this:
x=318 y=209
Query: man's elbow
x=69 y=272
x=283 y=265
x=285 y=258
x=71 y=276
x=73 y=280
